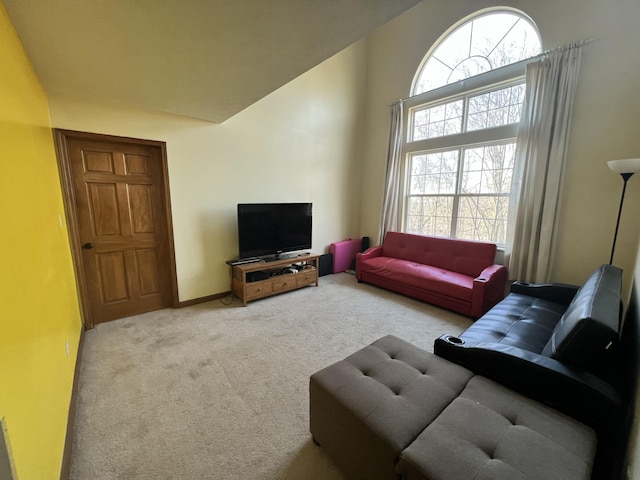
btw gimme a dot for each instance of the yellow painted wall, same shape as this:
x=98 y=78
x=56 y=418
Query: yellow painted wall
x=38 y=302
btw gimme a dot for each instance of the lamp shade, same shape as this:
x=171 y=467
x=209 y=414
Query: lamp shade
x=627 y=165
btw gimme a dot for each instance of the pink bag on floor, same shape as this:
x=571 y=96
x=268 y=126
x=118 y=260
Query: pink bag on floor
x=344 y=254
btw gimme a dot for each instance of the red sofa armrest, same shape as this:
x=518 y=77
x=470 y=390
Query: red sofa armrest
x=368 y=253
x=488 y=289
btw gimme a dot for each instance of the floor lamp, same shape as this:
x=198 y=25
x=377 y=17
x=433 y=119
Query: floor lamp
x=626 y=168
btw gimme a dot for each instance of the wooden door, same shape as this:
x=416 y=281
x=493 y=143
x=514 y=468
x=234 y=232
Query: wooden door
x=118 y=192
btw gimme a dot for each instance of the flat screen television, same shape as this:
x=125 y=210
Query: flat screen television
x=266 y=229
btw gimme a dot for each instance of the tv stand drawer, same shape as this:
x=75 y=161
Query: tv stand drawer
x=306 y=277
x=259 y=289
x=284 y=282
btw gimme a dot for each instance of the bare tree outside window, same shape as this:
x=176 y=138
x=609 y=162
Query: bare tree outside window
x=460 y=150
x=485 y=43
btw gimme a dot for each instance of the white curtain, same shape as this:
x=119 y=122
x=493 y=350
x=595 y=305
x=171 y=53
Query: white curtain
x=390 y=218
x=539 y=163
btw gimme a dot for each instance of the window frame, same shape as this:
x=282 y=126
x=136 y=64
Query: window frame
x=457 y=195
x=502 y=77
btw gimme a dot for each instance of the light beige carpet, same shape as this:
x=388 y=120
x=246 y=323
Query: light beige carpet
x=220 y=391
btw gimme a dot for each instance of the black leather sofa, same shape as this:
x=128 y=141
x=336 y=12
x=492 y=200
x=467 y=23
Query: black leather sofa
x=555 y=343
x=394 y=411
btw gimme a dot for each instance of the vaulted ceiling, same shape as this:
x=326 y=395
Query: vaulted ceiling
x=207 y=59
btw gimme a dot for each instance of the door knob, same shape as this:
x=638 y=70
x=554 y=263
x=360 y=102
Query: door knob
x=88 y=246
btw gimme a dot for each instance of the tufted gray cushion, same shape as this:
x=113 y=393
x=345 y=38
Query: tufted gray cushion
x=365 y=409
x=491 y=433
x=392 y=408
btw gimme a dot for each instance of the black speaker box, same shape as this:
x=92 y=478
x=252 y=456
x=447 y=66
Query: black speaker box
x=256 y=276
x=366 y=243
x=325 y=264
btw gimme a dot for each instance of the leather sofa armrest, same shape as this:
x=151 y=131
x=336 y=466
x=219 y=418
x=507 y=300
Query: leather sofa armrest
x=371 y=252
x=562 y=293
x=572 y=391
x=488 y=289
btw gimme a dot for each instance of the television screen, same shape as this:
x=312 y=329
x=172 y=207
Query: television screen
x=273 y=228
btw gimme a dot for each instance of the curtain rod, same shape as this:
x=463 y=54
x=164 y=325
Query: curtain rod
x=541 y=55
x=561 y=48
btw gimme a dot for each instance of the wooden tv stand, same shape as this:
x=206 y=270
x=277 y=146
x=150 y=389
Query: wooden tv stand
x=271 y=281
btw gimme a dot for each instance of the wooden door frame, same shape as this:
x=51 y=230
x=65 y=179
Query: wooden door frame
x=61 y=138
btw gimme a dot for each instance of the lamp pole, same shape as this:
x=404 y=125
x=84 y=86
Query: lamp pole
x=625 y=179
x=626 y=168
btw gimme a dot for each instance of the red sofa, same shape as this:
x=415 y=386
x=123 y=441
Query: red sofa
x=455 y=274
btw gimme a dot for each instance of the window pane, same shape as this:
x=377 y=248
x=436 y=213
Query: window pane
x=429 y=215
x=484 y=43
x=493 y=109
x=521 y=42
x=489 y=31
x=436 y=74
x=437 y=121
x=433 y=173
x=488 y=169
x=483 y=218
x=483 y=198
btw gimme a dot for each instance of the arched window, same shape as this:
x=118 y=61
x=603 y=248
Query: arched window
x=461 y=124
x=484 y=43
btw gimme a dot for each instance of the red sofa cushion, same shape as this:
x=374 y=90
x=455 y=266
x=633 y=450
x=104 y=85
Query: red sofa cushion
x=459 y=256
x=434 y=279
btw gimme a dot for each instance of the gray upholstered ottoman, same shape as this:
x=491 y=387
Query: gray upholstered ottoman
x=394 y=409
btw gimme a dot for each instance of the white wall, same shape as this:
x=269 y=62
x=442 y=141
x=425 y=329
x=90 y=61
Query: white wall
x=298 y=144
x=605 y=124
